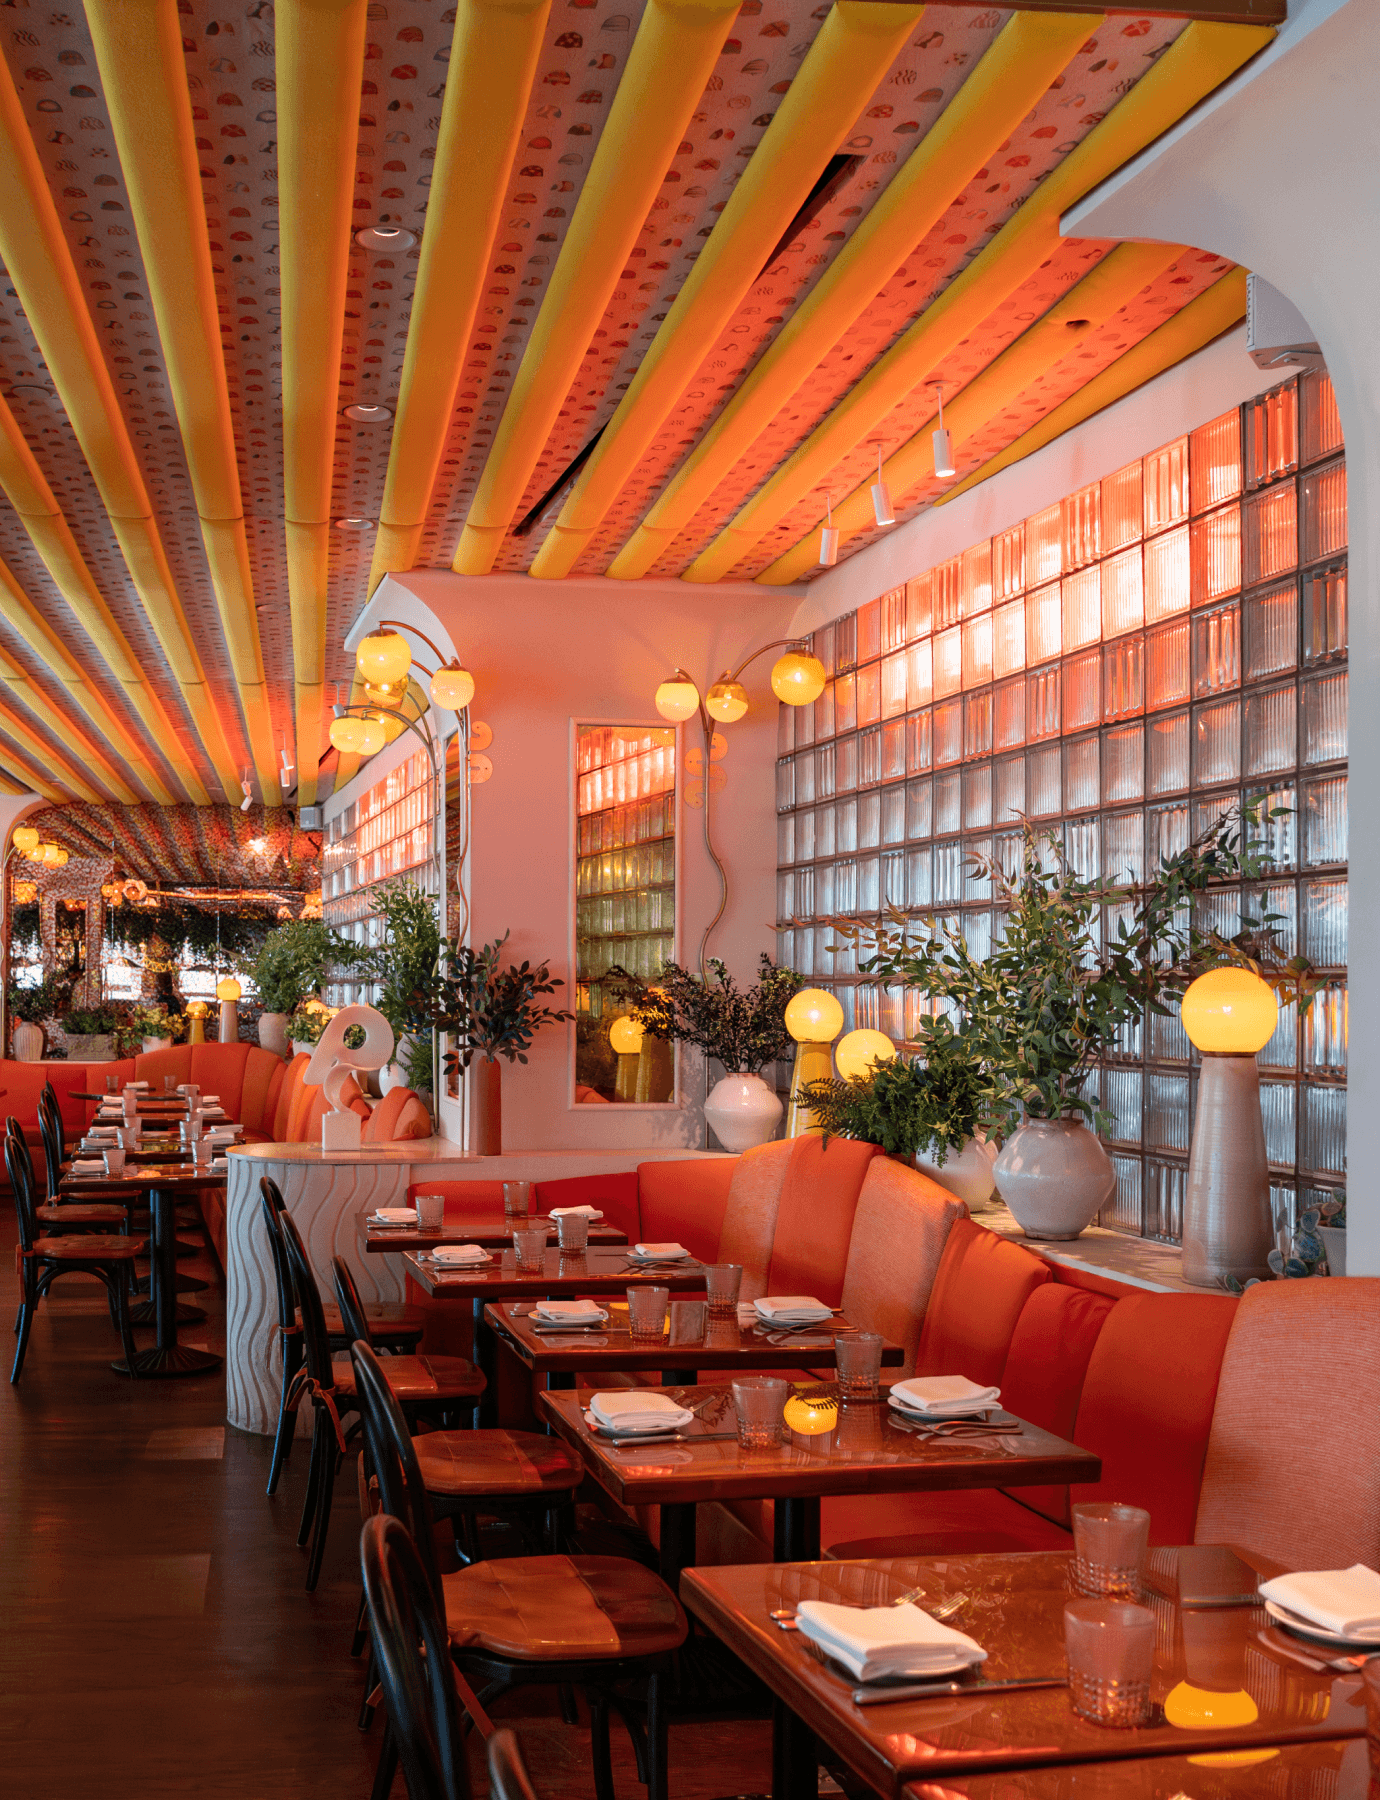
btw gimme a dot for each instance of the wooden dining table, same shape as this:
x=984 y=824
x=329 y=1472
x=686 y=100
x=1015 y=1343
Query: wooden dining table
x=490 y=1230
x=1328 y=1769
x=1212 y=1664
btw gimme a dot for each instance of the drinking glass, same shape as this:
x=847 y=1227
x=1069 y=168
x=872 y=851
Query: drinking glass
x=1111 y=1649
x=130 y=1135
x=647 y=1308
x=572 y=1232
x=721 y=1282
x=531 y=1249
x=760 y=1401
x=517 y=1199
x=167 y=1084
x=202 y=1150
x=431 y=1211
x=114 y=1162
x=1109 y=1541
x=859 y=1355
x=110 y=1084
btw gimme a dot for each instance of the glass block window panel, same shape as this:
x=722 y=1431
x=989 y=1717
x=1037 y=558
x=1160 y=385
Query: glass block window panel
x=948 y=662
x=1270 y=533
x=1124 y=1213
x=919 y=741
x=1044 y=538
x=919 y=607
x=977 y=796
x=975 y=580
x=1167 y=666
x=1008 y=639
x=1166 y=1112
x=948 y=733
x=1216 y=650
x=1008 y=776
x=1081 y=774
x=1008 y=722
x=1042 y=782
x=1123 y=839
x=846 y=825
x=1166 y=487
x=948 y=803
x=1324 y=822
x=869 y=757
x=977 y=723
x=1042 y=704
x=1121 y=1097
x=1214 y=456
x=1082 y=608
x=1271 y=729
x=919 y=882
x=1008 y=564
x=948 y=609
x=894 y=619
x=1324 y=511
x=1123 y=518
x=1216 y=743
x=893 y=823
x=1165 y=1186
x=1123 y=764
x=869 y=631
x=1271 y=435
x=1325 y=923
x=1123 y=677
x=785 y=727
x=894 y=686
x=948 y=872
x=1123 y=594
x=1167 y=575
x=1272 y=631
x=1321 y=421
x=977 y=651
x=1324 y=614
x=1167 y=761
x=919 y=673
x=893 y=749
x=1215 y=552
x=1325 y=1031
x=1324 y=718
x=824 y=715
x=869 y=820
x=1043 y=630
x=1168 y=1039
x=1279 y=1111
x=845 y=702
x=869 y=692
x=1323 y=1146
x=845 y=642
x=845 y=766
x=919 y=809
x=1082 y=524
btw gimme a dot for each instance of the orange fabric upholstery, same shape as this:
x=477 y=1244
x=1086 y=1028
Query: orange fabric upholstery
x=749 y=1224
x=1045 y=1369
x=814 y=1217
x=298 y=1104
x=154 y=1065
x=900 y=1228
x=261 y=1070
x=398 y=1116
x=684 y=1201
x=1147 y=1404
x=219 y=1069
x=463 y=1198
x=616 y=1196
x=288 y=1090
x=1293 y=1459
x=979 y=1293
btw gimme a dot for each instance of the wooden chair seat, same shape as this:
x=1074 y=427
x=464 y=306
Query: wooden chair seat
x=84 y=1249
x=414 y=1378
x=51 y=1214
x=497 y=1464
x=566 y=1608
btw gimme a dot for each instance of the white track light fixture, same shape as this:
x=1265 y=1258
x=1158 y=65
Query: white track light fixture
x=247 y=790
x=881 y=496
x=828 y=537
x=943 y=447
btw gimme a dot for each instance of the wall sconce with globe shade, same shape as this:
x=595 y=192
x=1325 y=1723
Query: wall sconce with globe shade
x=1229 y=1014
x=814 y=1019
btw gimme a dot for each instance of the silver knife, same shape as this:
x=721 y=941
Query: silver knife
x=876 y=1695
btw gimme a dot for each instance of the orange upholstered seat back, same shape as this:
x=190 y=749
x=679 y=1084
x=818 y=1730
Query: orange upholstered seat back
x=814 y=1217
x=398 y=1116
x=684 y=1202
x=153 y=1065
x=219 y=1069
x=982 y=1285
x=291 y=1101
x=616 y=1196
x=1293 y=1458
x=900 y=1228
x=1045 y=1370
x=750 y=1209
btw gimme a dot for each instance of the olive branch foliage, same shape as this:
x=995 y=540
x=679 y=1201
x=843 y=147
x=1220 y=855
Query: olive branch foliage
x=744 y=1029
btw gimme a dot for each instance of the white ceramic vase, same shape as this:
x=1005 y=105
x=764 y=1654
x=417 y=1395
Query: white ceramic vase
x=1334 y=1242
x=742 y=1111
x=28 y=1042
x=301 y=1048
x=965 y=1173
x=156 y=1043
x=273 y=1032
x=1055 y=1177
x=394 y=1074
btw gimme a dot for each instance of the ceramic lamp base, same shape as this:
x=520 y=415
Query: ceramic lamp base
x=813 y=1062
x=229 y=1022
x=340 y=1130
x=1227 y=1228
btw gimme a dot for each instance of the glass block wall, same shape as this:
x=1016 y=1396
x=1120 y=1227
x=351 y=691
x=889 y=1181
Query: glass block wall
x=1120 y=667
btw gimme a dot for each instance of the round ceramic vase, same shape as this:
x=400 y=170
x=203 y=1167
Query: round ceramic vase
x=742 y=1111
x=1055 y=1177
x=28 y=1042
x=965 y=1173
x=273 y=1032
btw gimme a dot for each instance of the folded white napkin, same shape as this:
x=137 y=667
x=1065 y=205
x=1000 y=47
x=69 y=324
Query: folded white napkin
x=395 y=1215
x=219 y=1162
x=942 y=1396
x=570 y=1312
x=87 y=1165
x=873 y=1642
x=210 y=1099
x=135 y=1084
x=1344 y=1601
x=660 y=1252
x=460 y=1253
x=570 y=1212
x=635 y=1410
x=791 y=1309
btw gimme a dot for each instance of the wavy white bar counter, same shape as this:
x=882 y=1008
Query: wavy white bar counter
x=328 y=1194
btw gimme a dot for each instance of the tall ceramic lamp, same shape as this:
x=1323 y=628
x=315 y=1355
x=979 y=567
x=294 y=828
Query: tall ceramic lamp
x=1229 y=1014
x=814 y=1019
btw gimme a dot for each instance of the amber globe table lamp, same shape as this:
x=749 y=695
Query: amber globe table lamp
x=228 y=992
x=814 y=1019
x=625 y=1038
x=1228 y=1229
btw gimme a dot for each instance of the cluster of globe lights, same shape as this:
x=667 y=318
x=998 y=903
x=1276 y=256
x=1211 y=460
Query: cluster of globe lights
x=797 y=678
x=384 y=662
x=28 y=842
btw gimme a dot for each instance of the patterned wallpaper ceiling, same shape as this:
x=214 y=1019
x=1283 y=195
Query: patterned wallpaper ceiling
x=177 y=581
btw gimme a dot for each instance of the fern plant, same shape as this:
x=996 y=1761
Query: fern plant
x=927 y=1105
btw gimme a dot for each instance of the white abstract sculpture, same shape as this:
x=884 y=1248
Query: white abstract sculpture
x=332 y=1063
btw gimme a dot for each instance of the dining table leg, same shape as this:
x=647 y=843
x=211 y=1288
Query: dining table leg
x=167 y=1357
x=795 y=1534
x=794 y=1756
x=486 y=1361
x=677 y=1542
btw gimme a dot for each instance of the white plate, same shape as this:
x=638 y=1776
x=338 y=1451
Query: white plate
x=585 y=1321
x=642 y=1431
x=684 y=1256
x=1318 y=1634
x=442 y=1261
x=947 y=1412
x=393 y=1215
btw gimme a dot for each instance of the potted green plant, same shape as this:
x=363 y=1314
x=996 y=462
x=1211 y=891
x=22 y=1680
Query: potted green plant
x=154 y=1027
x=31 y=1008
x=307 y=1024
x=744 y=1030
x=90 y=1032
x=292 y=964
x=491 y=1012
x=924 y=1108
x=407 y=964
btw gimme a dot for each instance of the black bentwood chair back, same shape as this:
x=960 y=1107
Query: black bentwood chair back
x=412 y=1649
x=508 y=1779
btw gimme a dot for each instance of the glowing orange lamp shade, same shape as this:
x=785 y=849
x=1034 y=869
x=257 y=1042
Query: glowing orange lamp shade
x=384 y=657
x=814 y=1016
x=452 y=689
x=1230 y=1012
x=625 y=1036
x=26 y=839
x=677 y=698
x=347 y=735
x=797 y=678
x=855 y=1054
x=726 y=701
x=227 y=988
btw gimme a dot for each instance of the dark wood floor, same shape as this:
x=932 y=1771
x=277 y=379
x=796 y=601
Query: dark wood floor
x=155 y=1636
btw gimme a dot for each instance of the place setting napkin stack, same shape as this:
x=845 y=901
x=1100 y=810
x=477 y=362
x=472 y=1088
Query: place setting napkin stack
x=1344 y=1602
x=887 y=1643
x=942 y=1397
x=634 y=1412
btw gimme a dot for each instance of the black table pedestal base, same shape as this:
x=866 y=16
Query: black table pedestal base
x=147 y=1314
x=168 y=1358
x=177 y=1359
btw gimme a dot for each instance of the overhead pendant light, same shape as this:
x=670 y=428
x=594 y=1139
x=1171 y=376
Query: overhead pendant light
x=943 y=446
x=828 y=537
x=384 y=659
x=726 y=701
x=677 y=698
x=452 y=688
x=881 y=497
x=26 y=839
x=372 y=736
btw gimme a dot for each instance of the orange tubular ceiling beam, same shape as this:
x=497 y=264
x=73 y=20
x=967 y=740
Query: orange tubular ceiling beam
x=139 y=52
x=1198 y=61
x=493 y=62
x=39 y=264
x=320 y=69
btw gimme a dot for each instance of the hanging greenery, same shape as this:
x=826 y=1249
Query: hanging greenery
x=189 y=931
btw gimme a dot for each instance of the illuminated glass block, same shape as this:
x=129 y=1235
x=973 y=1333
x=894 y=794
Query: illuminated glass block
x=1123 y=677
x=1325 y=821
x=948 y=732
x=845 y=642
x=1323 y=1145
x=1324 y=701
x=1166 y=1111
x=1325 y=1031
x=1125 y=1211
x=1043 y=628
x=920 y=673
x=804 y=718
x=977 y=723
x=1167 y=744
x=785 y=727
x=785 y=840
x=1082 y=608
x=1043 y=781
x=1165 y=1187
x=894 y=686
x=1082 y=527
x=1008 y=639
x=977 y=651
x=948 y=607
x=1042 y=703
x=1082 y=690
x=1121 y=1097
x=1216 y=650
x=919 y=607
x=824 y=714
x=1167 y=673
x=805 y=836
x=1325 y=614
x=1167 y=575
x=1270 y=533
x=1081 y=778
x=1272 y=631
x=919 y=741
x=1123 y=853
x=823 y=644
x=1216 y=743
x=1271 y=729
x=1166 y=486
x=977 y=856
x=1324 y=910
x=1044 y=535
x=1008 y=782
x=948 y=662
x=1215 y=554
x=869 y=692
x=1324 y=511
x=845 y=704
x=919 y=882
x=785 y=783
x=1008 y=724
x=1008 y=564
x=893 y=749
x=845 y=765
x=1321 y=421
x=846 y=826
x=869 y=631
x=1214 y=454
x=1168 y=1039
x=869 y=884
x=948 y=803
x=1123 y=593
x=975 y=580
x=1278 y=1111
x=894 y=618
x=919 y=809
x=1123 y=513
x=1271 y=435
x=977 y=796
x=948 y=873
x=1282 y=1050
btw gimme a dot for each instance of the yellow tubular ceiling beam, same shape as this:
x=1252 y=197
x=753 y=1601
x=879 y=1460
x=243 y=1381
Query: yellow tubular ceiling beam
x=139 y=51
x=1015 y=73
x=1215 y=311
x=320 y=68
x=673 y=56
x=36 y=256
x=28 y=780
x=1199 y=60
x=856 y=45
x=42 y=754
x=493 y=62
x=1116 y=280
x=90 y=756
x=32 y=499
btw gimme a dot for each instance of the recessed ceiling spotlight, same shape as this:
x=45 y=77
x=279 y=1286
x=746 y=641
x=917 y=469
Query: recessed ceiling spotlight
x=354 y=524
x=33 y=392
x=385 y=237
x=369 y=415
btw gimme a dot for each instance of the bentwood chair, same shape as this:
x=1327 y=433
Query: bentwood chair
x=508 y=1779
x=432 y=1386
x=391 y=1327
x=42 y=1259
x=57 y=1216
x=596 y=1622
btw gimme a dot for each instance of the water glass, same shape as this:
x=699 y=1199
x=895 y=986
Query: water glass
x=130 y=1136
x=531 y=1249
x=167 y=1084
x=114 y=1162
x=1109 y=1543
x=1111 y=1651
x=517 y=1199
x=859 y=1355
x=572 y=1232
x=431 y=1211
x=110 y=1084
x=202 y=1151
x=647 y=1308
x=721 y=1282
x=760 y=1401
